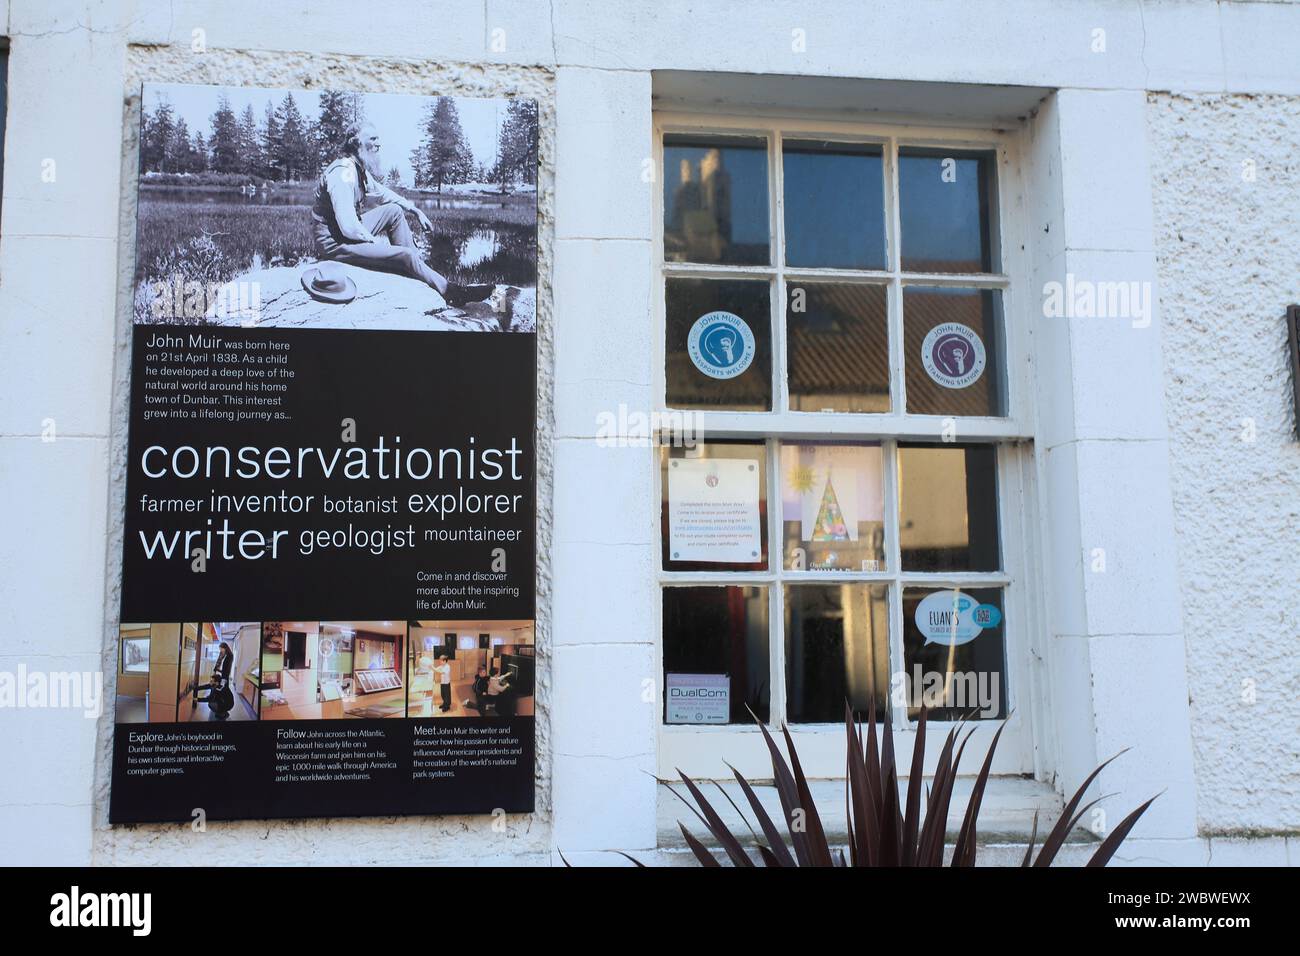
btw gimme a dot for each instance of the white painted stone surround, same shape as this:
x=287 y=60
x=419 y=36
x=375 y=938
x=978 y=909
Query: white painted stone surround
x=1137 y=429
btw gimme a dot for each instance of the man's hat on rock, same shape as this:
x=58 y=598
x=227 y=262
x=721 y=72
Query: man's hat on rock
x=327 y=282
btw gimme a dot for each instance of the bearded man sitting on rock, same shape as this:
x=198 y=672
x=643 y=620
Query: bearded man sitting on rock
x=379 y=238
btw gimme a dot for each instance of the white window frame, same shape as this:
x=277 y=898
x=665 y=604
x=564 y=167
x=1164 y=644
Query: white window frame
x=705 y=751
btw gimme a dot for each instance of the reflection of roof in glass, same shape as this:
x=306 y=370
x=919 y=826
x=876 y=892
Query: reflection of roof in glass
x=840 y=347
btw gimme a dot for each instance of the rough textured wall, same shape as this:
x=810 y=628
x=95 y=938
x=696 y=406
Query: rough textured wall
x=1228 y=264
x=398 y=840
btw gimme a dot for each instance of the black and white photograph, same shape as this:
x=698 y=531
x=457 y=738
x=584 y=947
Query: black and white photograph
x=273 y=208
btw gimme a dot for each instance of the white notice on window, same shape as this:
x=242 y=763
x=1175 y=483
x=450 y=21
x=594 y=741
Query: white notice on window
x=713 y=511
x=699 y=698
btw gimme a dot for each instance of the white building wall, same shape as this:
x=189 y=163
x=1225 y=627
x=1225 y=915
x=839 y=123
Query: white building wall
x=1226 y=181
x=1199 y=591
x=1116 y=644
x=604 y=507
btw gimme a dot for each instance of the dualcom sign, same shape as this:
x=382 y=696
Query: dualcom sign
x=102 y=909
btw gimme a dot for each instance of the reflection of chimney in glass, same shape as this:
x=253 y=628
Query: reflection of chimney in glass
x=686 y=205
x=717 y=196
x=701 y=211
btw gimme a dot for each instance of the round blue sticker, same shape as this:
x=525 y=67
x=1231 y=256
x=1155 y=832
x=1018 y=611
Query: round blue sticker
x=721 y=345
x=987 y=615
x=952 y=618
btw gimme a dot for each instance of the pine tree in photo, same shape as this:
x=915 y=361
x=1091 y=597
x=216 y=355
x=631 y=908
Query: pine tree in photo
x=443 y=156
x=271 y=143
x=517 y=145
x=295 y=156
x=337 y=114
x=250 y=144
x=184 y=159
x=354 y=108
x=224 y=139
x=158 y=139
x=178 y=148
x=199 y=153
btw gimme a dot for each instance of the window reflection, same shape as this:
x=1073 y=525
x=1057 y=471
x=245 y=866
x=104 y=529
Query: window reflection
x=720 y=632
x=836 y=650
x=834 y=205
x=948 y=511
x=715 y=200
x=946 y=203
x=837 y=340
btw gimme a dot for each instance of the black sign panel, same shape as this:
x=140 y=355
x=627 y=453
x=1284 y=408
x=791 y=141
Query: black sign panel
x=327 y=603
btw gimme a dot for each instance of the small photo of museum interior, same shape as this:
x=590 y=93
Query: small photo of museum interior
x=321 y=670
x=471 y=668
x=165 y=672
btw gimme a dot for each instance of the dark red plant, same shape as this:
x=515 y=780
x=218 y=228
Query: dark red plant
x=881 y=831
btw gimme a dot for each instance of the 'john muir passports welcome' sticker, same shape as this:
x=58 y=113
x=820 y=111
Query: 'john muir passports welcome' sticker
x=721 y=344
x=953 y=355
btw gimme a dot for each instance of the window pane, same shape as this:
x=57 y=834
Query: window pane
x=832 y=508
x=948 y=510
x=834 y=205
x=719 y=344
x=952 y=342
x=716 y=637
x=954 y=656
x=714 y=507
x=836 y=650
x=837 y=339
x=715 y=200
x=945 y=202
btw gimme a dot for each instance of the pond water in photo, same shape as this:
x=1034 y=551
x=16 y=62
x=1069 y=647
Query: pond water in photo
x=479 y=245
x=453 y=202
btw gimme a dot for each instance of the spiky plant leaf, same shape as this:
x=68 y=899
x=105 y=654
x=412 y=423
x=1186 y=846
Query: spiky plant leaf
x=963 y=853
x=776 y=844
x=1109 y=845
x=817 y=843
x=735 y=852
x=701 y=854
x=1054 y=839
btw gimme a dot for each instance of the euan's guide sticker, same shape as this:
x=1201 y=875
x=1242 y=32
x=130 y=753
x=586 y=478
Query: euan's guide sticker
x=952 y=618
